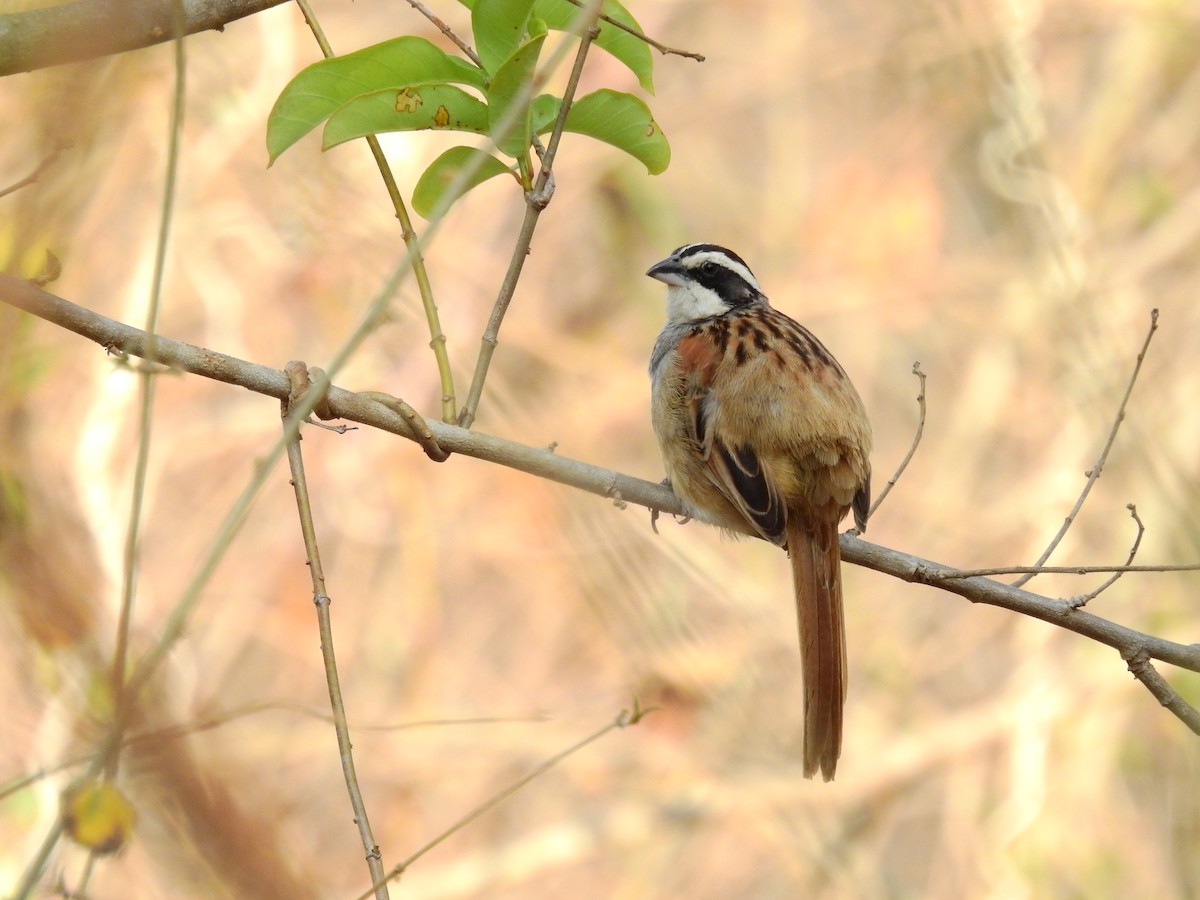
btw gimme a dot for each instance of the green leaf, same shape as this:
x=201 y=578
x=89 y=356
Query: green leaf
x=443 y=171
x=618 y=119
x=509 y=99
x=410 y=108
x=324 y=86
x=499 y=27
x=633 y=52
x=542 y=113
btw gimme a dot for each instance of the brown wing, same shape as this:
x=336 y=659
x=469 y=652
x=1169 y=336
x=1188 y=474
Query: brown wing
x=737 y=471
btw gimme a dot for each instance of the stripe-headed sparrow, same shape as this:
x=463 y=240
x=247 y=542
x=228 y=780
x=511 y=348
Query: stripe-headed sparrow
x=759 y=426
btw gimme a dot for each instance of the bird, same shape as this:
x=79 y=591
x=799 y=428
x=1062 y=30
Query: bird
x=761 y=429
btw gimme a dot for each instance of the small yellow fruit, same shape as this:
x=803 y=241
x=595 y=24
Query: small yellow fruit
x=96 y=815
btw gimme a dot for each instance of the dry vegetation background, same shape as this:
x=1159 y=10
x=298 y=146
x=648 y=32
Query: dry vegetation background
x=1000 y=190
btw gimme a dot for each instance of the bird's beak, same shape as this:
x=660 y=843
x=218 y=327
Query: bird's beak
x=668 y=271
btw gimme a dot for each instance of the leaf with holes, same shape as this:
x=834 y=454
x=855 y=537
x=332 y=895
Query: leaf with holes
x=414 y=107
x=320 y=89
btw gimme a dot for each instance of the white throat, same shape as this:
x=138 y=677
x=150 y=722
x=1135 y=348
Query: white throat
x=689 y=302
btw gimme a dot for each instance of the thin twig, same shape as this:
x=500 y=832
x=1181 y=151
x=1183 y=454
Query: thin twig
x=536 y=200
x=148 y=379
x=437 y=338
x=887 y=488
x=1083 y=599
x=1065 y=570
x=219 y=720
x=449 y=32
x=624 y=719
x=1094 y=472
x=298 y=375
x=661 y=48
x=33 y=176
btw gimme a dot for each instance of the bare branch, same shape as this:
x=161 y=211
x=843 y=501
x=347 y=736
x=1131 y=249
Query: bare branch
x=604 y=482
x=86 y=29
x=1094 y=472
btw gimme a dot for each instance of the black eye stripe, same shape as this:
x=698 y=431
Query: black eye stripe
x=728 y=284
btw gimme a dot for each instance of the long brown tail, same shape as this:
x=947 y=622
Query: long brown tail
x=816 y=571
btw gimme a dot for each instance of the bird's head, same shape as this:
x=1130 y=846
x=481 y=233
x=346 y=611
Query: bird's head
x=705 y=280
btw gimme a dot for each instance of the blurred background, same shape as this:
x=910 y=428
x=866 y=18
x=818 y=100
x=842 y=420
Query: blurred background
x=1000 y=190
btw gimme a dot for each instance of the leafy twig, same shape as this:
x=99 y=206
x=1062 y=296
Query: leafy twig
x=535 y=201
x=298 y=376
x=887 y=488
x=1094 y=472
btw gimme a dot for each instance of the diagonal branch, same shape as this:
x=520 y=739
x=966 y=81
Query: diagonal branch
x=121 y=338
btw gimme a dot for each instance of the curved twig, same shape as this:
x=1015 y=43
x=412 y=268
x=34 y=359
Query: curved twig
x=887 y=488
x=1084 y=599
